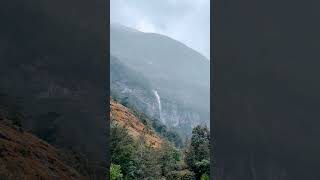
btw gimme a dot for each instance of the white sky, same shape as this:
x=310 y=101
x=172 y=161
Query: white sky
x=187 y=21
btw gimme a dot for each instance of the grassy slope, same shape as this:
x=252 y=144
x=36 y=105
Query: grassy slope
x=22 y=155
x=125 y=118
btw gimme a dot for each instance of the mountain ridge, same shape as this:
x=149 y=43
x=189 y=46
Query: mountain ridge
x=131 y=29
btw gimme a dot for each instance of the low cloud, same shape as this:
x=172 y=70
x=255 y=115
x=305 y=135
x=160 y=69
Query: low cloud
x=187 y=21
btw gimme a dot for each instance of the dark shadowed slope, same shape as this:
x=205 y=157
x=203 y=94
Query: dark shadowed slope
x=53 y=58
x=24 y=156
x=266 y=85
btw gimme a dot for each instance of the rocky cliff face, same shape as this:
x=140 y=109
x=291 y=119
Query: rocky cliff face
x=139 y=92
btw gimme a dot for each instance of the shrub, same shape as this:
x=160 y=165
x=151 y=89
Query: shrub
x=181 y=175
x=115 y=172
x=205 y=177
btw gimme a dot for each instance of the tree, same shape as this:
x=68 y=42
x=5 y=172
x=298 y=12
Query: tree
x=122 y=149
x=115 y=172
x=146 y=161
x=168 y=158
x=181 y=175
x=197 y=156
x=205 y=177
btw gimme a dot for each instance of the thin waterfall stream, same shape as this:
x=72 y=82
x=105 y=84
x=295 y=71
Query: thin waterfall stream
x=159 y=104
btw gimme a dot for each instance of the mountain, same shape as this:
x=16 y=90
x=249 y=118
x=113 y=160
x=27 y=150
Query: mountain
x=177 y=77
x=24 y=156
x=141 y=149
x=129 y=84
x=53 y=58
x=127 y=119
x=266 y=114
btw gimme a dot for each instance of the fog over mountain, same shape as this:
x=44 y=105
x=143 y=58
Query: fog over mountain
x=175 y=77
x=187 y=21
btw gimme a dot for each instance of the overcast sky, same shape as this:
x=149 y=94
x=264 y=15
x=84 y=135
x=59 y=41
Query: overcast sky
x=187 y=21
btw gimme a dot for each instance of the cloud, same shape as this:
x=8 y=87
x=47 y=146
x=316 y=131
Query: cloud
x=145 y=26
x=187 y=21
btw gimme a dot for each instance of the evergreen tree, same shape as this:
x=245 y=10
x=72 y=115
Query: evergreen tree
x=198 y=154
x=122 y=149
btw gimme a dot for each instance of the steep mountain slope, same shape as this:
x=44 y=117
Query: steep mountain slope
x=125 y=118
x=267 y=91
x=176 y=73
x=127 y=83
x=136 y=90
x=57 y=64
x=24 y=156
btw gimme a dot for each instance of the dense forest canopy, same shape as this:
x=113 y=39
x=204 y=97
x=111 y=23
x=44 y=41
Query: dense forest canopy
x=133 y=159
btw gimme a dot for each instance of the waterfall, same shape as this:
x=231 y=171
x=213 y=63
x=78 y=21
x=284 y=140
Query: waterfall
x=159 y=104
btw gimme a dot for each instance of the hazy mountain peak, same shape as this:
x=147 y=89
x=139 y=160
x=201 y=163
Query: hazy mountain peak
x=120 y=27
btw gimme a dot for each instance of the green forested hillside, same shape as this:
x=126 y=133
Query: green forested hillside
x=133 y=158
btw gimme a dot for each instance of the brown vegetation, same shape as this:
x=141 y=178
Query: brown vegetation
x=125 y=118
x=24 y=156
